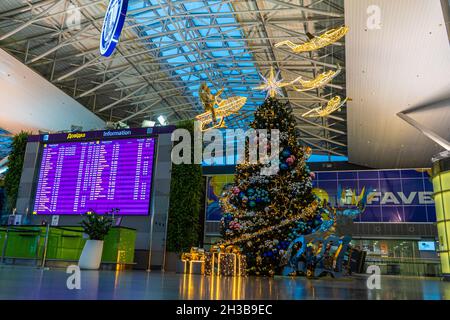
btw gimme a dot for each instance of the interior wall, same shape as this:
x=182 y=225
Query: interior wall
x=398 y=60
x=30 y=102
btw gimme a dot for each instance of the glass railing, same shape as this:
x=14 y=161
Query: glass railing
x=419 y=267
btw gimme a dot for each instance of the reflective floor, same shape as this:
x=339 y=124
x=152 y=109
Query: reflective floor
x=31 y=283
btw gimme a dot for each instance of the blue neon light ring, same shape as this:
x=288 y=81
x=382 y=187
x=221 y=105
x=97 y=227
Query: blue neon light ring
x=112 y=26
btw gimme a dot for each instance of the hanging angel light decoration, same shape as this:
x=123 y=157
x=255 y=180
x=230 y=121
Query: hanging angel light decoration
x=325 y=39
x=319 y=81
x=215 y=116
x=332 y=105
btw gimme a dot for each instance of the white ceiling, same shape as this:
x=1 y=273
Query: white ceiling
x=30 y=102
x=403 y=65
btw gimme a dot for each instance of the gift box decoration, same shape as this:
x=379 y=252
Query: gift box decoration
x=192 y=262
x=225 y=261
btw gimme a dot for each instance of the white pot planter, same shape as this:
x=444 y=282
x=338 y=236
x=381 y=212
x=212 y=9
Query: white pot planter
x=91 y=256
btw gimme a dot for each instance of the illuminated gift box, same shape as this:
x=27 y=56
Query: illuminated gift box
x=225 y=261
x=192 y=262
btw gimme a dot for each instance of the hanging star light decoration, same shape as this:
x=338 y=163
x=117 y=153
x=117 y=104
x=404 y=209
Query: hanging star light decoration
x=321 y=80
x=272 y=84
x=325 y=39
x=332 y=105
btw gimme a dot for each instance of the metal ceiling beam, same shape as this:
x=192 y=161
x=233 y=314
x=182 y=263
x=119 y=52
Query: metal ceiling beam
x=26 y=8
x=320 y=126
x=322 y=138
x=308 y=10
x=31 y=21
x=109 y=106
x=141 y=111
x=101 y=85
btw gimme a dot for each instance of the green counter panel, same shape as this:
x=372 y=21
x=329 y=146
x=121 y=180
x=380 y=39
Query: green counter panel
x=25 y=244
x=66 y=243
x=117 y=246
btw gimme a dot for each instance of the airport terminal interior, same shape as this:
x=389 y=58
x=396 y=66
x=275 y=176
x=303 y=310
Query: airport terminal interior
x=224 y=150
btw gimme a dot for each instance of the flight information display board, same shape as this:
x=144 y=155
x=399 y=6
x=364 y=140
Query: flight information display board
x=77 y=177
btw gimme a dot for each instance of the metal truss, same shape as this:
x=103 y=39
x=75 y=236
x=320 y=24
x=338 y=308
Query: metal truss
x=168 y=48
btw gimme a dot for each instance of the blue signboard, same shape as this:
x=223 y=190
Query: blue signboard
x=427 y=246
x=112 y=26
x=397 y=196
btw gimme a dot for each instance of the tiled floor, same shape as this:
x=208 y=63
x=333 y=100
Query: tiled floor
x=32 y=283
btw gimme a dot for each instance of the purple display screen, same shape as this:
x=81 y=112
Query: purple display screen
x=77 y=177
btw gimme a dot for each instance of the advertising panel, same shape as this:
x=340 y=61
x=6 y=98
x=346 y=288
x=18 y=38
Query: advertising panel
x=397 y=195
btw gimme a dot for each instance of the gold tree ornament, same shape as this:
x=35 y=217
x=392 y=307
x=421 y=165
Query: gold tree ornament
x=334 y=104
x=325 y=39
x=319 y=81
x=215 y=117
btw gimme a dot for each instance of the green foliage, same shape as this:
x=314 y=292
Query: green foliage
x=15 y=165
x=185 y=202
x=96 y=226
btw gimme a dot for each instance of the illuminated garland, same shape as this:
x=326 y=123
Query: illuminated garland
x=247 y=236
x=325 y=39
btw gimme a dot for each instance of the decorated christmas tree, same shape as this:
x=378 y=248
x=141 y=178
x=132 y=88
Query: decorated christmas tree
x=263 y=214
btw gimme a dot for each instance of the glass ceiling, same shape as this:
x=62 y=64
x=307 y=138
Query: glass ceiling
x=5 y=144
x=201 y=47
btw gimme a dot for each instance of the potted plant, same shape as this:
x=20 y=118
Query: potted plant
x=96 y=227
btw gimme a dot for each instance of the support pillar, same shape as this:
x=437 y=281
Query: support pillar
x=441 y=187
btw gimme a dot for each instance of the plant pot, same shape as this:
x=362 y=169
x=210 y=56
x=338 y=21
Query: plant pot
x=91 y=256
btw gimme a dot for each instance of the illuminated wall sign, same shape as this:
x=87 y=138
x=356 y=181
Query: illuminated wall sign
x=404 y=195
x=112 y=26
